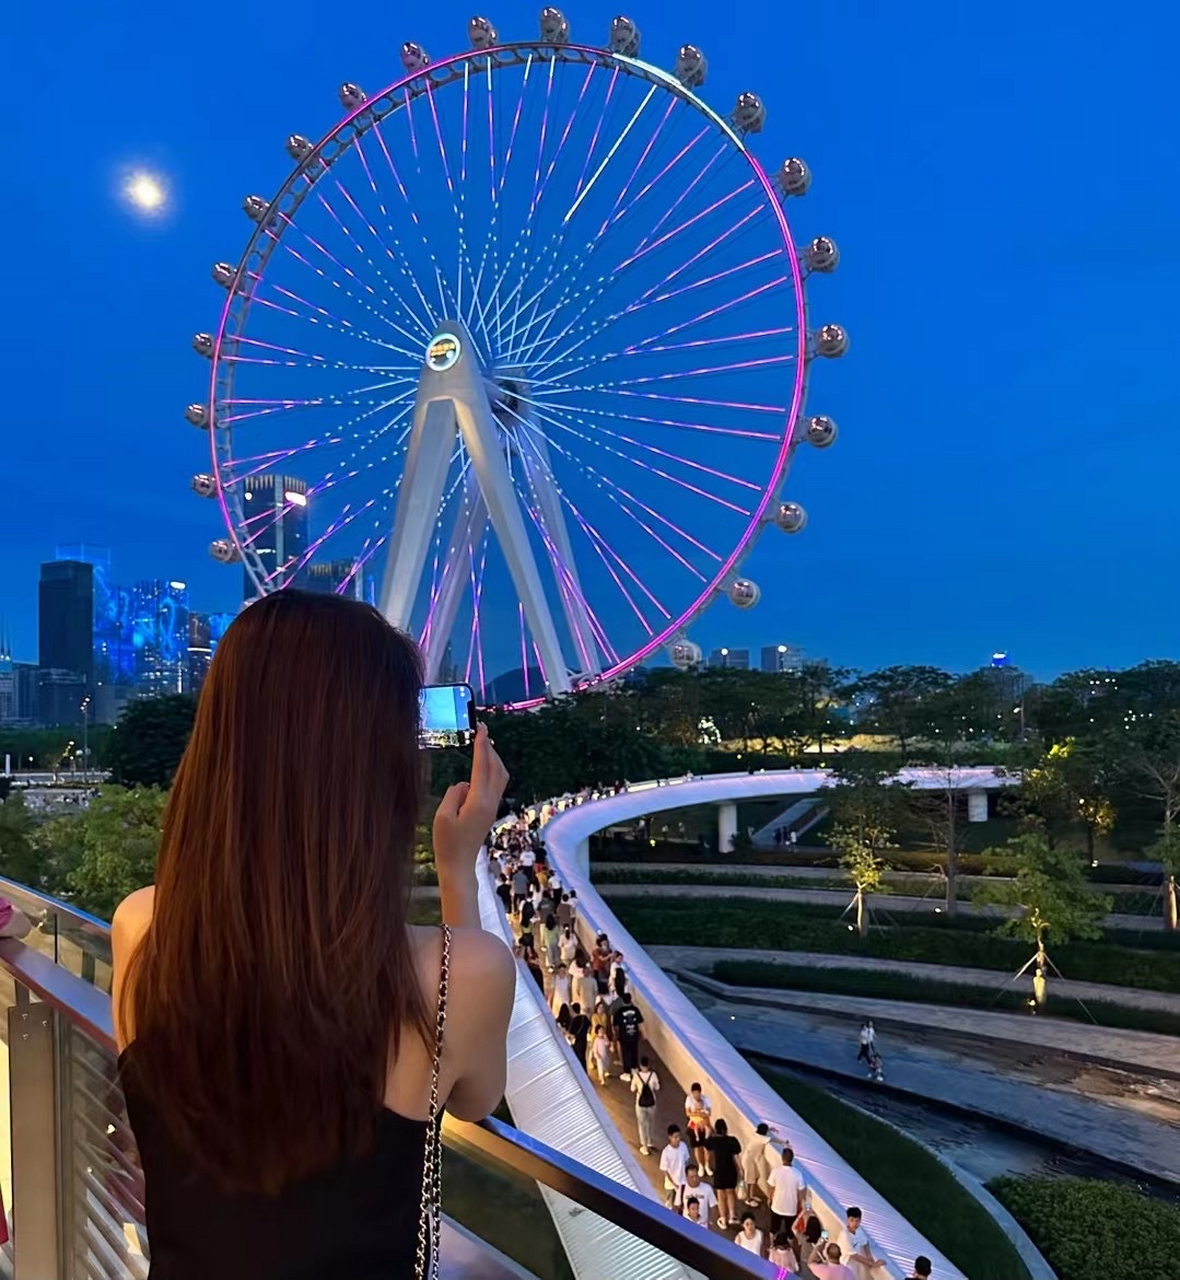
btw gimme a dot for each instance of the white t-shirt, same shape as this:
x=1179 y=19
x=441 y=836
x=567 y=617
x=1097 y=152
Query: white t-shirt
x=705 y=1195
x=751 y=1244
x=786 y=1186
x=673 y=1161
x=851 y=1242
x=694 y=1108
x=527 y=857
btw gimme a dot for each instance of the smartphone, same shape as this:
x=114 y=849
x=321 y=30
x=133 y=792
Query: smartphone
x=447 y=715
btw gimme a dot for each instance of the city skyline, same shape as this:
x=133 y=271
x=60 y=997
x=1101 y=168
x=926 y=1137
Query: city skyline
x=983 y=493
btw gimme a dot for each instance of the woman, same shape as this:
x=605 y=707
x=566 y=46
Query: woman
x=550 y=938
x=578 y=1034
x=568 y=946
x=725 y=1149
x=285 y=1030
x=585 y=988
x=749 y=1237
x=784 y=1253
x=562 y=989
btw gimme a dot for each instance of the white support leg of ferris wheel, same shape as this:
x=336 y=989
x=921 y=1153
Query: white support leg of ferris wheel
x=451 y=398
x=456 y=572
x=544 y=491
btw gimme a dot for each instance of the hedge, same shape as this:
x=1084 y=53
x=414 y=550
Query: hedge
x=871 y=984
x=913 y=1180
x=965 y=941
x=1088 y=1228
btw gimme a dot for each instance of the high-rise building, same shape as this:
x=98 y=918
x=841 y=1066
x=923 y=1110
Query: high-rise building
x=204 y=634
x=733 y=659
x=114 y=663
x=160 y=633
x=60 y=695
x=276 y=520
x=66 y=620
x=782 y=657
x=339 y=577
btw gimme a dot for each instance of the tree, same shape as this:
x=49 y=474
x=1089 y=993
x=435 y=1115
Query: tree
x=896 y=696
x=108 y=850
x=145 y=747
x=1070 y=783
x=1053 y=896
x=1166 y=851
x=18 y=856
x=867 y=806
x=1153 y=758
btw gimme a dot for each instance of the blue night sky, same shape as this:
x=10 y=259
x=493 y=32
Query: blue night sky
x=1002 y=182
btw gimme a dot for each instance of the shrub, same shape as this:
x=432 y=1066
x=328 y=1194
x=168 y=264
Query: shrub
x=1087 y=1228
x=773 y=926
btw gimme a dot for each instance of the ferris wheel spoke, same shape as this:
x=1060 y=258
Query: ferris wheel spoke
x=314 y=360
x=332 y=280
x=332 y=323
x=641 y=348
x=297 y=563
x=598 y=430
x=704 y=372
x=519 y=248
x=413 y=213
x=572 y=590
x=648 y=246
x=548 y=360
x=778 y=410
x=657 y=471
x=632 y=418
x=593 y=293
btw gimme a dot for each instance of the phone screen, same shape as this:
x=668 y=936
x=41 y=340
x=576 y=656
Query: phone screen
x=447 y=716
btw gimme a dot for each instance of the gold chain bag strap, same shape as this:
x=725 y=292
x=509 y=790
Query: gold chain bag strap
x=430 y=1212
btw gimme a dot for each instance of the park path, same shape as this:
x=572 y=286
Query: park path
x=703 y=958
x=838 y=898
x=1136 y=1050
x=1036 y=1093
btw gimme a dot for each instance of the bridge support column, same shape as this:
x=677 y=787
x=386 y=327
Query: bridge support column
x=976 y=806
x=726 y=826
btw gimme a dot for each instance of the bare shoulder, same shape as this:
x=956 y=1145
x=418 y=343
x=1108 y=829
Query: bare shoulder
x=133 y=915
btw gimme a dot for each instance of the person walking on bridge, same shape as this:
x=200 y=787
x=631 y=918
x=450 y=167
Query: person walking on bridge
x=645 y=1084
x=627 y=1021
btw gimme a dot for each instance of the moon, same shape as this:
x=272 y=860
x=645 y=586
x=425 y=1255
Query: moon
x=145 y=192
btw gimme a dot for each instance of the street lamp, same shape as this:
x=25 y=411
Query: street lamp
x=85 y=710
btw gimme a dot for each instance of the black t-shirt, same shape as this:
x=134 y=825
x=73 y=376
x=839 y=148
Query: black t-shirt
x=579 y=1026
x=526 y=913
x=504 y=892
x=627 y=1020
x=725 y=1148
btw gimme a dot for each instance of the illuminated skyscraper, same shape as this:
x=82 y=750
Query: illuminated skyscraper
x=338 y=576
x=733 y=659
x=276 y=520
x=782 y=657
x=161 y=636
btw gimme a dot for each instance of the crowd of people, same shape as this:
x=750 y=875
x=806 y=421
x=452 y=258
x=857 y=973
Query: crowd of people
x=707 y=1175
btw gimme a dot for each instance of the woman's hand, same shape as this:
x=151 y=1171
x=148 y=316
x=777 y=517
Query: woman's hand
x=463 y=818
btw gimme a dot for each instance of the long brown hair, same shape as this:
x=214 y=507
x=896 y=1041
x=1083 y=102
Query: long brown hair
x=277 y=976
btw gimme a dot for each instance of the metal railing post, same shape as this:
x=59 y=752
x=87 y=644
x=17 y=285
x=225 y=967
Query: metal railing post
x=36 y=1182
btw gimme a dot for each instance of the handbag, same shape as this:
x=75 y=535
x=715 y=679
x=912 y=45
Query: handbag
x=430 y=1208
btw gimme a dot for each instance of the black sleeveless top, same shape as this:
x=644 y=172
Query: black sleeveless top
x=355 y=1221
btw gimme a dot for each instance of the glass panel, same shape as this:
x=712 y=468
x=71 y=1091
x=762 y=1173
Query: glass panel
x=506 y=1211
x=77 y=943
x=105 y=1235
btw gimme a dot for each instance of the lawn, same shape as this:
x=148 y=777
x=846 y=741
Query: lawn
x=1153 y=964
x=914 y=1181
x=874 y=985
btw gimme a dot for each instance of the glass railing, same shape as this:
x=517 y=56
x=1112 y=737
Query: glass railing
x=77 y=1190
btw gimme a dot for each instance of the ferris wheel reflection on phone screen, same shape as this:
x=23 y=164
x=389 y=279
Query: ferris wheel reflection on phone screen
x=447 y=715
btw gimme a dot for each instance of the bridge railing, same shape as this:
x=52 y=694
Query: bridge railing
x=74 y=1179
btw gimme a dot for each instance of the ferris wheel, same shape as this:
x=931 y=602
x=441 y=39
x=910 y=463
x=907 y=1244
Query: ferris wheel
x=521 y=347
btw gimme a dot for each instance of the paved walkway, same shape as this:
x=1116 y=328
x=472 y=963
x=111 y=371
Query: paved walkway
x=1136 y=1050
x=837 y=898
x=926 y=1071
x=703 y=958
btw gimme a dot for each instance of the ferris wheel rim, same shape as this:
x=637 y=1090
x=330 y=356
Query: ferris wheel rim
x=421 y=82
